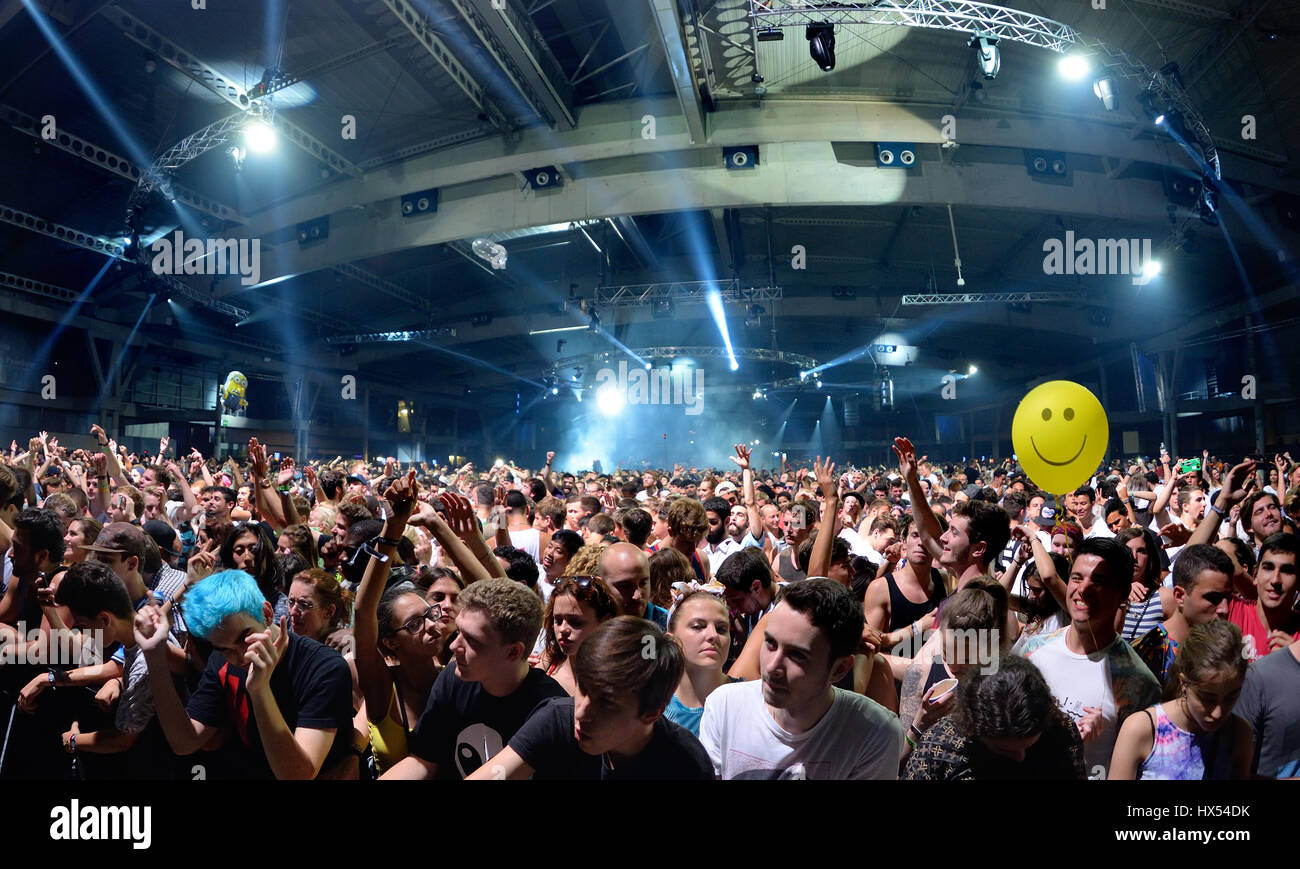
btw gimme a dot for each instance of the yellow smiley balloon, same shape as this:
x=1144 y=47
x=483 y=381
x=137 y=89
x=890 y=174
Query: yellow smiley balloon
x=1060 y=435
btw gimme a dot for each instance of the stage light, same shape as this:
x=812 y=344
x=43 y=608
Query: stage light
x=735 y=366
x=1073 y=66
x=973 y=370
x=819 y=386
x=987 y=55
x=649 y=365
x=1151 y=269
x=610 y=401
x=555 y=390
x=803 y=375
x=260 y=137
x=771 y=34
x=821 y=45
x=1160 y=119
x=1104 y=89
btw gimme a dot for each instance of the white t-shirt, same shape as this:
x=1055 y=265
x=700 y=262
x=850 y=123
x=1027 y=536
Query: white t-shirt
x=1113 y=679
x=857 y=738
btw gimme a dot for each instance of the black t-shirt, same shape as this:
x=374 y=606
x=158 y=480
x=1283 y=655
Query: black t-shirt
x=312 y=686
x=463 y=725
x=547 y=744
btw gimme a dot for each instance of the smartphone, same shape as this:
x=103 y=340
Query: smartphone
x=277 y=457
x=1189 y=465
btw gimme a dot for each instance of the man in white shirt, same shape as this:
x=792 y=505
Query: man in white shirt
x=1096 y=678
x=717 y=542
x=794 y=723
x=1083 y=508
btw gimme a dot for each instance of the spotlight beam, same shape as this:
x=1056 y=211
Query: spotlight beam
x=720 y=317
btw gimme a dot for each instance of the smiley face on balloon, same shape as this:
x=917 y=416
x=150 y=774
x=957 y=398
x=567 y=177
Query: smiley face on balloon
x=1060 y=434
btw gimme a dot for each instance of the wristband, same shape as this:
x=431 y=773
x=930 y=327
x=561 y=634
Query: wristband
x=908 y=737
x=143 y=602
x=912 y=728
x=386 y=541
x=1216 y=509
x=72 y=742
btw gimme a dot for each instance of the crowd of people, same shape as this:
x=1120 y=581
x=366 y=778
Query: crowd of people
x=170 y=616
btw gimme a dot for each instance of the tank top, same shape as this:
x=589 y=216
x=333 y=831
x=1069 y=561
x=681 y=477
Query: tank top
x=903 y=612
x=1181 y=756
x=1141 y=618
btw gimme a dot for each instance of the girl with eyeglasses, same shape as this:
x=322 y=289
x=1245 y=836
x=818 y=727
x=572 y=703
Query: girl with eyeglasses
x=398 y=636
x=577 y=607
x=442 y=587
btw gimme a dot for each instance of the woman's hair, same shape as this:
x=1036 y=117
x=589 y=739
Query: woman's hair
x=1245 y=554
x=1012 y=702
x=980 y=605
x=586 y=561
x=1071 y=530
x=384 y=612
x=266 y=569
x=686 y=517
x=302 y=540
x=291 y=564
x=90 y=528
x=697 y=595
x=1050 y=603
x=627 y=656
x=667 y=566
x=1152 y=576
x=331 y=593
x=221 y=595
x=602 y=599
x=1212 y=650
x=217 y=530
x=427 y=576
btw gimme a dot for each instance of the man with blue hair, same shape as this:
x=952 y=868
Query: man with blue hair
x=287 y=698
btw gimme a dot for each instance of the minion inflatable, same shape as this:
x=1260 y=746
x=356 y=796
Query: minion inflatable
x=232 y=393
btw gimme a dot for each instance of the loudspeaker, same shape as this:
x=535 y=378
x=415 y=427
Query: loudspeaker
x=311 y=231
x=1181 y=189
x=745 y=157
x=420 y=203
x=896 y=155
x=1047 y=164
x=844 y=293
x=544 y=177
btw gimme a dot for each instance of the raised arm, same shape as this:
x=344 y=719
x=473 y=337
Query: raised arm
x=470 y=567
x=372 y=671
x=819 y=562
x=461 y=520
x=268 y=502
x=1233 y=493
x=742 y=458
x=191 y=506
x=927 y=524
x=184 y=734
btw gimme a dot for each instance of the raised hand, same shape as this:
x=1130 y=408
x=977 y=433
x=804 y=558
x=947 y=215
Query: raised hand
x=264 y=651
x=162 y=448
x=1237 y=484
x=742 y=456
x=893 y=552
x=257 y=458
x=151 y=627
x=906 y=457
x=98 y=432
x=1177 y=533
x=201 y=564
x=309 y=474
x=286 y=471
x=825 y=476
x=1121 y=490
x=460 y=515
x=402 y=495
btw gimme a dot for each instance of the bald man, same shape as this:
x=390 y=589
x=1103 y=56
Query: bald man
x=626 y=569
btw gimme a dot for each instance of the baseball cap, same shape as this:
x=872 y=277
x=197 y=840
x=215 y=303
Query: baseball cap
x=724 y=487
x=1046 y=517
x=163 y=534
x=119 y=538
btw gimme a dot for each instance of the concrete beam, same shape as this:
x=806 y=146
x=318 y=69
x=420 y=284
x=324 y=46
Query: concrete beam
x=614 y=130
x=805 y=174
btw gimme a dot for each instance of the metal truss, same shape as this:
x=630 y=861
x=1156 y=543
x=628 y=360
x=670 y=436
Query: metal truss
x=49 y=228
x=965 y=16
x=388 y=288
x=418 y=24
x=175 y=55
x=214 y=135
x=960 y=15
x=281 y=80
x=111 y=162
x=750 y=354
x=37 y=288
x=688 y=292
x=391 y=337
x=981 y=298
x=178 y=287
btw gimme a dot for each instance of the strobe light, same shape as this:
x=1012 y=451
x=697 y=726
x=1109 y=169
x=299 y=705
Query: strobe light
x=987 y=55
x=821 y=45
